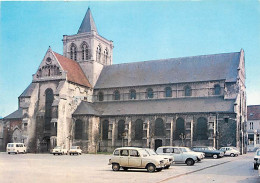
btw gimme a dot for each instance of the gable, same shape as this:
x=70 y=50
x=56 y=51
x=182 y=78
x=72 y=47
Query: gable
x=174 y=70
x=56 y=66
x=73 y=69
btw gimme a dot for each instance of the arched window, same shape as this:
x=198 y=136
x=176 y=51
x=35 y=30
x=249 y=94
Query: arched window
x=138 y=129
x=132 y=94
x=180 y=129
x=168 y=92
x=98 y=53
x=78 y=129
x=48 y=108
x=149 y=92
x=202 y=129
x=116 y=95
x=120 y=129
x=159 y=127
x=104 y=129
x=73 y=52
x=84 y=50
x=105 y=56
x=187 y=91
x=217 y=89
x=100 y=96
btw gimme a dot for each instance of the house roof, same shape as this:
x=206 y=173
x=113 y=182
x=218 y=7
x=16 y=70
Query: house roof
x=161 y=106
x=74 y=71
x=28 y=91
x=174 y=70
x=88 y=23
x=253 y=112
x=18 y=114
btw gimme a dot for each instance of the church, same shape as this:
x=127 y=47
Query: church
x=81 y=98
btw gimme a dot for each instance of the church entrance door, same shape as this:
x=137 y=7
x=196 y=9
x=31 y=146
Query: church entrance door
x=158 y=143
x=45 y=144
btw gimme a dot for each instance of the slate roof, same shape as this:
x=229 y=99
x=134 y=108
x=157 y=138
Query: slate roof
x=74 y=71
x=88 y=23
x=161 y=106
x=174 y=70
x=253 y=112
x=18 y=114
x=28 y=91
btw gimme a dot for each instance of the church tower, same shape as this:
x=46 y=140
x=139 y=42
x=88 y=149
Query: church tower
x=89 y=49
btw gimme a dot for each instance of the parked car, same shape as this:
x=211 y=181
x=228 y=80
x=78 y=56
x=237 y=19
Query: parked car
x=136 y=158
x=187 y=150
x=75 y=150
x=59 y=150
x=209 y=151
x=257 y=159
x=230 y=151
x=15 y=148
x=168 y=159
x=179 y=156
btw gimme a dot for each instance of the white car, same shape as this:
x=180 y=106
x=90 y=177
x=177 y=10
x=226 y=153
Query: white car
x=15 y=148
x=169 y=159
x=136 y=158
x=59 y=151
x=230 y=151
x=187 y=150
x=257 y=159
x=75 y=150
x=179 y=156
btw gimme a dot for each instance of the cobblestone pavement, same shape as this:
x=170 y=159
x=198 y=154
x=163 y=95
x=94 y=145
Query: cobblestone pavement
x=41 y=168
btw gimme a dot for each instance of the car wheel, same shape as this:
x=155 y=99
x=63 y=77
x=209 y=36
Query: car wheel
x=215 y=156
x=115 y=167
x=70 y=154
x=255 y=166
x=24 y=152
x=17 y=152
x=8 y=152
x=190 y=162
x=167 y=167
x=150 y=168
x=232 y=155
x=125 y=168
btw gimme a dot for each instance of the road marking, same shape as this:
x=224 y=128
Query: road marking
x=180 y=175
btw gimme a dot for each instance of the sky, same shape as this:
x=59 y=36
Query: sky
x=141 y=31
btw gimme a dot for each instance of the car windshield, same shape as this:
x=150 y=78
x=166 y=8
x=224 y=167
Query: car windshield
x=143 y=152
x=211 y=148
x=186 y=149
x=57 y=147
x=258 y=153
x=150 y=152
x=74 y=147
x=235 y=148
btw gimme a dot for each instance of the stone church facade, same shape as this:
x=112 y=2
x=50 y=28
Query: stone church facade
x=81 y=98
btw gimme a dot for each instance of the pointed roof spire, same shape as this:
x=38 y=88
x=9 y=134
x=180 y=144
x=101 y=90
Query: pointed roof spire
x=88 y=23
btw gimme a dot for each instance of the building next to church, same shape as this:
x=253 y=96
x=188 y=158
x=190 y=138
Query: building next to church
x=81 y=98
x=253 y=127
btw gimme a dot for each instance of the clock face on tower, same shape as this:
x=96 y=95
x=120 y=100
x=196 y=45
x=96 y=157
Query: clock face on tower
x=48 y=61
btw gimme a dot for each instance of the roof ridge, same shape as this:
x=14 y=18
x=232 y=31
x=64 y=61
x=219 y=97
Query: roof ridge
x=168 y=59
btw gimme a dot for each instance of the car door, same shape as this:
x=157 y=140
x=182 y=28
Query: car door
x=134 y=159
x=124 y=153
x=177 y=155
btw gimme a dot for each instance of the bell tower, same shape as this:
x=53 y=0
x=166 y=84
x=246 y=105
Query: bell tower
x=88 y=48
